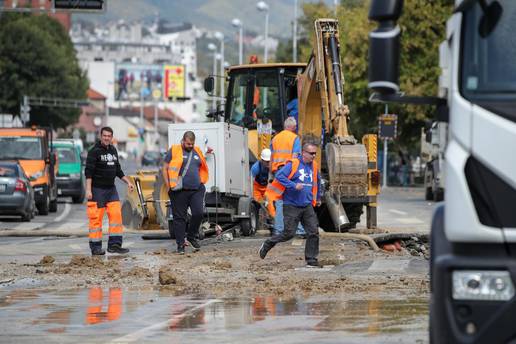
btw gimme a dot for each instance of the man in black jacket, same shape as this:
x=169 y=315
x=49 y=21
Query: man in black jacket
x=102 y=167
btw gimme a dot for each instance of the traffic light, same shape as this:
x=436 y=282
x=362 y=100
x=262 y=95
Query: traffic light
x=80 y=5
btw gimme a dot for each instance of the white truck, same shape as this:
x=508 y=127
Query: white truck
x=473 y=234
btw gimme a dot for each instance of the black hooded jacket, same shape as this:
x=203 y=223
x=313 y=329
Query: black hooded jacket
x=102 y=166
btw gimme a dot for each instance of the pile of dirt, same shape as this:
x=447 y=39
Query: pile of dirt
x=166 y=276
x=221 y=264
x=47 y=260
x=86 y=261
x=139 y=272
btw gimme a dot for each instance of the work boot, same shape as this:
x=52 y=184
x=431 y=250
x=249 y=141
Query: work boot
x=181 y=249
x=97 y=251
x=263 y=251
x=195 y=244
x=117 y=249
x=312 y=264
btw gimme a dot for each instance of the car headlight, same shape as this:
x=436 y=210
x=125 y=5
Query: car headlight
x=75 y=175
x=37 y=175
x=482 y=285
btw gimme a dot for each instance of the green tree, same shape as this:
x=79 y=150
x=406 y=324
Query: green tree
x=423 y=28
x=37 y=58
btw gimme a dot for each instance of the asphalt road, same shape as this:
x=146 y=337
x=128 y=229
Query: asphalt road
x=29 y=312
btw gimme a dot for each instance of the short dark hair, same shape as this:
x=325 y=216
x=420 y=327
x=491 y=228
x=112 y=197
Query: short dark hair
x=189 y=135
x=108 y=129
x=309 y=144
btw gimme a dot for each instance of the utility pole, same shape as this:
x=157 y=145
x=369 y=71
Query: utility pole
x=294 y=38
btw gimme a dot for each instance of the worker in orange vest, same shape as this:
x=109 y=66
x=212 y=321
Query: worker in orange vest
x=298 y=183
x=285 y=146
x=185 y=172
x=260 y=175
x=102 y=167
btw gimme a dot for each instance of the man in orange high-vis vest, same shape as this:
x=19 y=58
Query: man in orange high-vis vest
x=298 y=183
x=284 y=146
x=102 y=167
x=185 y=171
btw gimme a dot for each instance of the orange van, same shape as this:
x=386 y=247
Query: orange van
x=33 y=149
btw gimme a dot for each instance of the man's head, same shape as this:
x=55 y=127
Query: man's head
x=188 y=141
x=290 y=124
x=309 y=152
x=106 y=136
x=265 y=156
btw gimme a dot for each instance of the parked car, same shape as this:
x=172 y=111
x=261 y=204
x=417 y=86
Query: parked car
x=152 y=158
x=70 y=179
x=16 y=193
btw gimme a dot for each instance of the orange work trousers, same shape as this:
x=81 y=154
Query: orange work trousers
x=259 y=192
x=96 y=216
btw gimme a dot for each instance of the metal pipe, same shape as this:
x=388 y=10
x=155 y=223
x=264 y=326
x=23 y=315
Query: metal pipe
x=334 y=56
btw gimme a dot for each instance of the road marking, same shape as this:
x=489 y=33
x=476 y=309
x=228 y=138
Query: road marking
x=389 y=265
x=65 y=213
x=137 y=335
x=397 y=212
x=129 y=244
x=75 y=247
x=410 y=221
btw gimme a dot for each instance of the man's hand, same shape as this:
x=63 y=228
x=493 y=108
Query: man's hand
x=318 y=203
x=299 y=186
x=89 y=195
x=130 y=187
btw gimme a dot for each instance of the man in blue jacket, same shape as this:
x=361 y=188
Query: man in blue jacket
x=298 y=183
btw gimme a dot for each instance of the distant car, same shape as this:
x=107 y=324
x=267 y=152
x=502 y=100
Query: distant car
x=152 y=158
x=70 y=179
x=123 y=155
x=16 y=193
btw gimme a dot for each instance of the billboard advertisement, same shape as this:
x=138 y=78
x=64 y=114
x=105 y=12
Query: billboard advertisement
x=174 y=81
x=131 y=79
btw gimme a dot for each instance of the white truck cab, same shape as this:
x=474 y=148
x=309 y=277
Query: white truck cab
x=473 y=236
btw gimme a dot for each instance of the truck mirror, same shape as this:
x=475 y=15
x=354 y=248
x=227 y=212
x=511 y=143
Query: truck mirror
x=209 y=84
x=490 y=19
x=384 y=47
x=385 y=10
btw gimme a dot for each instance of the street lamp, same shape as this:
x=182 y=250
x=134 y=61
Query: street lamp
x=238 y=24
x=220 y=36
x=263 y=7
x=213 y=48
x=294 y=34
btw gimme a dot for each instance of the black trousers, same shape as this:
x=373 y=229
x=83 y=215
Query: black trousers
x=180 y=202
x=291 y=217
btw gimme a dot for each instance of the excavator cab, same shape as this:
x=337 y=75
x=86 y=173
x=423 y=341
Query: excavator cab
x=258 y=94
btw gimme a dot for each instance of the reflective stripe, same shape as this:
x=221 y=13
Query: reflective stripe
x=281 y=151
x=115 y=225
x=275 y=189
x=115 y=234
x=173 y=169
x=95 y=230
x=173 y=179
x=279 y=160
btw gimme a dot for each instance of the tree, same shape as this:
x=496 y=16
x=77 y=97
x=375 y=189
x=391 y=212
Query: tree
x=423 y=27
x=37 y=59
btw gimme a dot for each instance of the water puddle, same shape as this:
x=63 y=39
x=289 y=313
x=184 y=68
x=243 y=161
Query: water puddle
x=117 y=315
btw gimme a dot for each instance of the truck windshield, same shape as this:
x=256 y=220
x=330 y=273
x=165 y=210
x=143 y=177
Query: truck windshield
x=67 y=154
x=488 y=64
x=24 y=148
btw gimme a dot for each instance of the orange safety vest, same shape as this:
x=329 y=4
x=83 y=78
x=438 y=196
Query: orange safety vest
x=174 y=166
x=275 y=189
x=282 y=149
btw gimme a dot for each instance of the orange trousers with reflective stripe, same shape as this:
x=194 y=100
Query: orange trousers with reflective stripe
x=94 y=313
x=96 y=216
x=259 y=192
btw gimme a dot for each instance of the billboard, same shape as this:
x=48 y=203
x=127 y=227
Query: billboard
x=174 y=81
x=131 y=79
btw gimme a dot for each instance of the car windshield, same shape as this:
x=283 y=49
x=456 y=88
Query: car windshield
x=24 y=148
x=67 y=154
x=8 y=170
x=152 y=155
x=488 y=63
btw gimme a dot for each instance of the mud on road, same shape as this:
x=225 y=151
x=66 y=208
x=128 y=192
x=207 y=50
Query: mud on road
x=229 y=269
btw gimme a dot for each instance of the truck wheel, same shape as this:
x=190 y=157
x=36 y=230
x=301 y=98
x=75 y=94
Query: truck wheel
x=26 y=217
x=43 y=207
x=160 y=196
x=53 y=206
x=249 y=226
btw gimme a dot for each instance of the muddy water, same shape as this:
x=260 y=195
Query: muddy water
x=100 y=315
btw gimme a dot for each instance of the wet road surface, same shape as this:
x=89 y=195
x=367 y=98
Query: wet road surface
x=115 y=315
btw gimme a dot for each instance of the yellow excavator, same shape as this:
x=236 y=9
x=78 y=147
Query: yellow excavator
x=257 y=97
